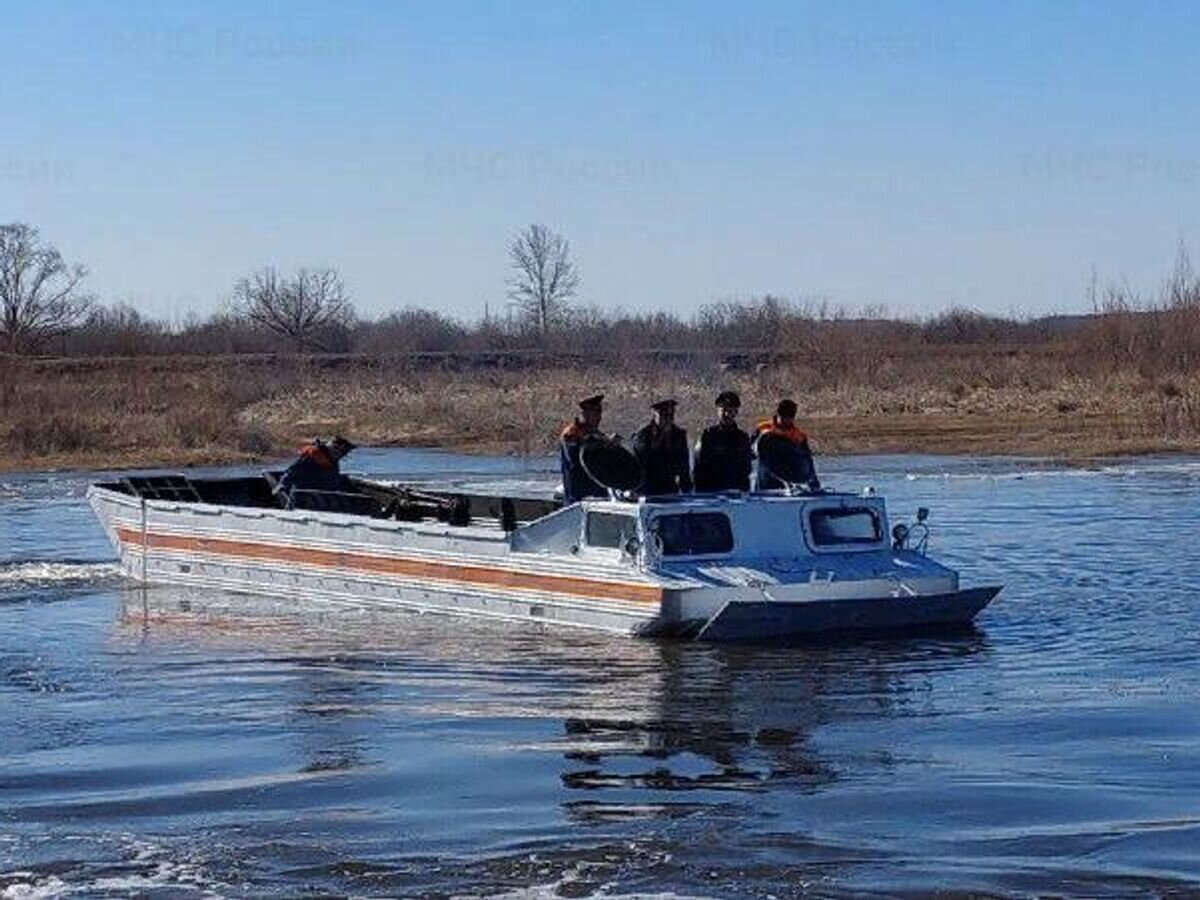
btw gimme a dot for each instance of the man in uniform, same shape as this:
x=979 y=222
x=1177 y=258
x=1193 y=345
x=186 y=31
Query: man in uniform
x=661 y=449
x=577 y=483
x=723 y=455
x=783 y=425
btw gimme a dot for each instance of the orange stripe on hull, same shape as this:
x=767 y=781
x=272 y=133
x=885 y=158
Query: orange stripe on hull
x=381 y=565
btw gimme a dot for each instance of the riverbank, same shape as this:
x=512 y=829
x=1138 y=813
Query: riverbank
x=164 y=411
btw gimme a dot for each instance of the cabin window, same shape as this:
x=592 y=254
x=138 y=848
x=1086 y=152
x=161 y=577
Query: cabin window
x=609 y=529
x=841 y=527
x=694 y=534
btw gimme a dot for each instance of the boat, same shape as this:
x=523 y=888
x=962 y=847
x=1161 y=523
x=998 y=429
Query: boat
x=729 y=566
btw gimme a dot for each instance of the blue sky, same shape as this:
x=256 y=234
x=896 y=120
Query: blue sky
x=911 y=155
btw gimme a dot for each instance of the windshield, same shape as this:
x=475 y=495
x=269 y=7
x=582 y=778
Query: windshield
x=609 y=529
x=840 y=527
x=694 y=534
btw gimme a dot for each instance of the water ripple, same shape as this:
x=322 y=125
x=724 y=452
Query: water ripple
x=195 y=744
x=17 y=576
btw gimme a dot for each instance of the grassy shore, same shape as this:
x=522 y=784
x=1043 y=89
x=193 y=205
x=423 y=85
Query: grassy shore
x=178 y=411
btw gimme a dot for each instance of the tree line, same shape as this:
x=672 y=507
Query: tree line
x=42 y=298
x=45 y=308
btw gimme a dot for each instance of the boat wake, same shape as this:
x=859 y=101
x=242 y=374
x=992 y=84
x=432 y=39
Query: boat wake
x=27 y=574
x=139 y=869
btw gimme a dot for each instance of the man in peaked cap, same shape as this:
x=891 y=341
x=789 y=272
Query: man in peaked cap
x=723 y=455
x=577 y=483
x=661 y=448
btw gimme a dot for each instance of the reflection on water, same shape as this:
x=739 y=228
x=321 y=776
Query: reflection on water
x=746 y=711
x=187 y=743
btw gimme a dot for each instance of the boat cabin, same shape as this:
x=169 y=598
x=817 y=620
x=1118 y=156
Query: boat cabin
x=713 y=528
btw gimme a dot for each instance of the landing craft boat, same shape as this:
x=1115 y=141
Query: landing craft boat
x=727 y=566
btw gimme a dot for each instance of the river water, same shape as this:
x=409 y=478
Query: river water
x=251 y=748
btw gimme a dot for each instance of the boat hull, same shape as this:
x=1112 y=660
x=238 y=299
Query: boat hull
x=750 y=621
x=352 y=561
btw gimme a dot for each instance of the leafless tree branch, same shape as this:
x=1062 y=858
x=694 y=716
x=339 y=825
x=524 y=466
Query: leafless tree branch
x=39 y=291
x=299 y=308
x=544 y=277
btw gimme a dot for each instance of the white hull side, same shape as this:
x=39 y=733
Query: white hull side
x=297 y=555
x=474 y=571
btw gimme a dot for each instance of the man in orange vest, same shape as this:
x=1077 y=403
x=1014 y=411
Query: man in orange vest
x=577 y=483
x=317 y=469
x=783 y=425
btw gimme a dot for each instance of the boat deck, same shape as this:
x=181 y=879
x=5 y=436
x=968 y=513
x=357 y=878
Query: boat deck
x=362 y=498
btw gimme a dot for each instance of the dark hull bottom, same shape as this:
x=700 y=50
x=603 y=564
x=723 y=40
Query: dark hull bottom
x=769 y=621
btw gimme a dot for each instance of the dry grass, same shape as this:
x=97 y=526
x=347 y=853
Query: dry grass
x=165 y=411
x=98 y=413
x=1125 y=381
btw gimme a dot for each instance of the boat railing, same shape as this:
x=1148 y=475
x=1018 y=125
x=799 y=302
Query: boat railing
x=355 y=496
x=161 y=487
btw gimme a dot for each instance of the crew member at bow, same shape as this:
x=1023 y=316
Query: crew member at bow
x=318 y=468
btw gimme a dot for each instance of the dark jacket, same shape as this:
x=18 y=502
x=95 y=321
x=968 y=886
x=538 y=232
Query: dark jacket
x=315 y=470
x=723 y=459
x=664 y=458
x=577 y=483
x=802 y=463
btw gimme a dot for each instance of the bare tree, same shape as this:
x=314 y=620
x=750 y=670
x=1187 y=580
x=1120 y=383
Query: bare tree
x=544 y=277
x=303 y=308
x=39 y=291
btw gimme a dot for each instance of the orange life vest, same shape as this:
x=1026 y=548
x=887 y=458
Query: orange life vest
x=317 y=454
x=576 y=432
x=790 y=432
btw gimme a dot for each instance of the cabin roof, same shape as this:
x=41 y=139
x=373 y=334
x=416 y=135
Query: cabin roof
x=710 y=500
